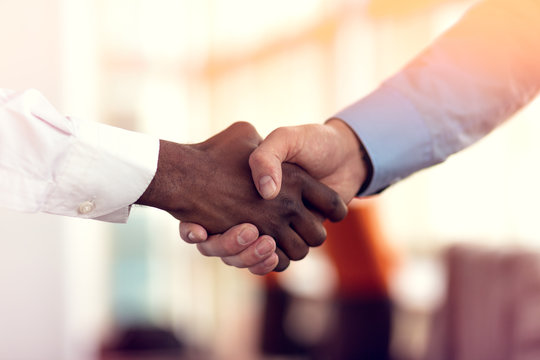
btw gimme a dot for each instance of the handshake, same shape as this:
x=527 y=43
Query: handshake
x=254 y=203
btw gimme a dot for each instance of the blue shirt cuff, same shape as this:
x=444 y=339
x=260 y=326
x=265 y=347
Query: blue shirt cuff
x=393 y=134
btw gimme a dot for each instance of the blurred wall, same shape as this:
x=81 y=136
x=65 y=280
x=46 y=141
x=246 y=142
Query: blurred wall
x=185 y=69
x=31 y=246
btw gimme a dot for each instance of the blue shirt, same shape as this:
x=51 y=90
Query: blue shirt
x=471 y=79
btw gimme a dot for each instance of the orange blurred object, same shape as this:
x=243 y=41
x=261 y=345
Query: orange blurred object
x=362 y=257
x=358 y=250
x=393 y=8
x=362 y=320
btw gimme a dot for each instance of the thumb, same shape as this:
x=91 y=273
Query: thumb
x=265 y=162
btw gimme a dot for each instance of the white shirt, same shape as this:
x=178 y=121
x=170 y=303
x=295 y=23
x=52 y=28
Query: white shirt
x=61 y=165
x=465 y=84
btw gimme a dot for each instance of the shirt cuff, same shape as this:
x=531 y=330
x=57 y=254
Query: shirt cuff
x=393 y=134
x=106 y=170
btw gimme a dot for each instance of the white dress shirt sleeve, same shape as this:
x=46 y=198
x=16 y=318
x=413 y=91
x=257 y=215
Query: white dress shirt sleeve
x=60 y=165
x=471 y=79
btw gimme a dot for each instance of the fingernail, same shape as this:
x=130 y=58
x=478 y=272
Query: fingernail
x=192 y=237
x=268 y=186
x=246 y=236
x=264 y=247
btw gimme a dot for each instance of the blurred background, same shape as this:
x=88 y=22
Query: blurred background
x=183 y=70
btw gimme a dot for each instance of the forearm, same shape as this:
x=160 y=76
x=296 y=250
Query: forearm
x=476 y=75
x=60 y=165
x=470 y=80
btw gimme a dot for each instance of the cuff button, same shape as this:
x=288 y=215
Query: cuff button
x=86 y=207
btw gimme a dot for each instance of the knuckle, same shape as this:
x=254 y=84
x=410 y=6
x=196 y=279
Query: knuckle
x=289 y=206
x=247 y=130
x=243 y=125
x=257 y=159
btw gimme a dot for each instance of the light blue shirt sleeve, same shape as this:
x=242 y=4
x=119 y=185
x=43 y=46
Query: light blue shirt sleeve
x=471 y=79
x=393 y=134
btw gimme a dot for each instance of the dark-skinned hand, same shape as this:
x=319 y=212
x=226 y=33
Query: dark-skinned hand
x=210 y=184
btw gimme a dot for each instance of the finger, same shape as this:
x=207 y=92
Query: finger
x=232 y=242
x=245 y=131
x=309 y=227
x=265 y=161
x=283 y=261
x=291 y=244
x=256 y=253
x=192 y=233
x=265 y=266
x=323 y=200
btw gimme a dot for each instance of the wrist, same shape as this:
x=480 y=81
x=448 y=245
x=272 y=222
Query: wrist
x=168 y=186
x=358 y=163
